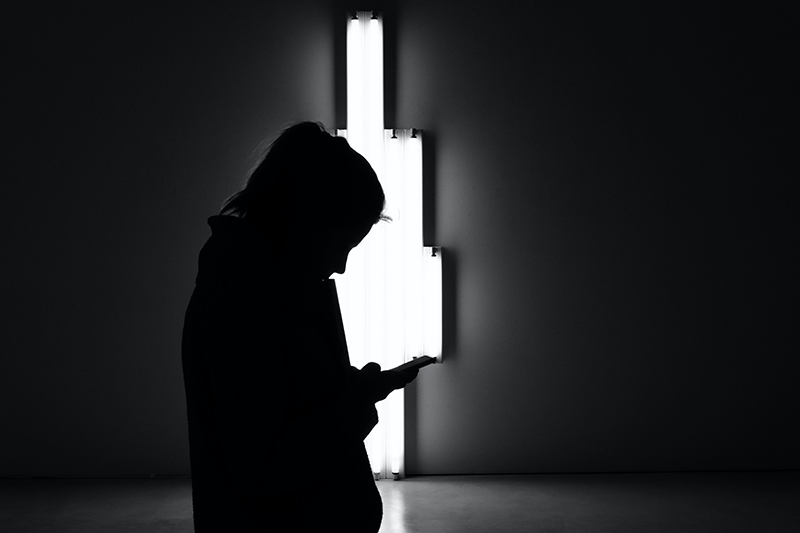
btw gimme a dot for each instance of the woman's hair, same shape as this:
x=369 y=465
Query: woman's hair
x=309 y=170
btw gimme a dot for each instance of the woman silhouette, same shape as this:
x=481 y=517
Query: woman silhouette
x=277 y=416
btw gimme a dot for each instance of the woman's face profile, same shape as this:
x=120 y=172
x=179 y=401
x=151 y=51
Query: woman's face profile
x=336 y=245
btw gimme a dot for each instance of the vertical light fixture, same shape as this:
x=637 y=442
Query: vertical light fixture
x=390 y=295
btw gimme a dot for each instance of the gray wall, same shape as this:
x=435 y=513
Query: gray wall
x=611 y=187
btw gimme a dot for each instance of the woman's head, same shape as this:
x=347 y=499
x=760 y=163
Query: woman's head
x=308 y=174
x=313 y=188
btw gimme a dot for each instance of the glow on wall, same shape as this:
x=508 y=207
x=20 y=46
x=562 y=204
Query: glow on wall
x=390 y=294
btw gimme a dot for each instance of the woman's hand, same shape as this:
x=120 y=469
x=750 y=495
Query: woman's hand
x=377 y=385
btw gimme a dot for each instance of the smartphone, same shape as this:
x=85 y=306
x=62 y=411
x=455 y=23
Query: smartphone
x=417 y=362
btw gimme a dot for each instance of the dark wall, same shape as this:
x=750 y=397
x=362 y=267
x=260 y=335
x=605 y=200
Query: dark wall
x=612 y=187
x=615 y=187
x=130 y=124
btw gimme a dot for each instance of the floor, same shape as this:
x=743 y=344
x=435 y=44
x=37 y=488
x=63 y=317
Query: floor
x=641 y=503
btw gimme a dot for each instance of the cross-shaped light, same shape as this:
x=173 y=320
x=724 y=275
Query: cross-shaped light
x=390 y=295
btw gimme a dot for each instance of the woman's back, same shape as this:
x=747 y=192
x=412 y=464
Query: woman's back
x=266 y=376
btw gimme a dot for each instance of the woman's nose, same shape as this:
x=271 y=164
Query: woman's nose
x=341 y=263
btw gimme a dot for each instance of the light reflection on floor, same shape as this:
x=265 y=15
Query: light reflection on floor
x=703 y=502
x=394 y=507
